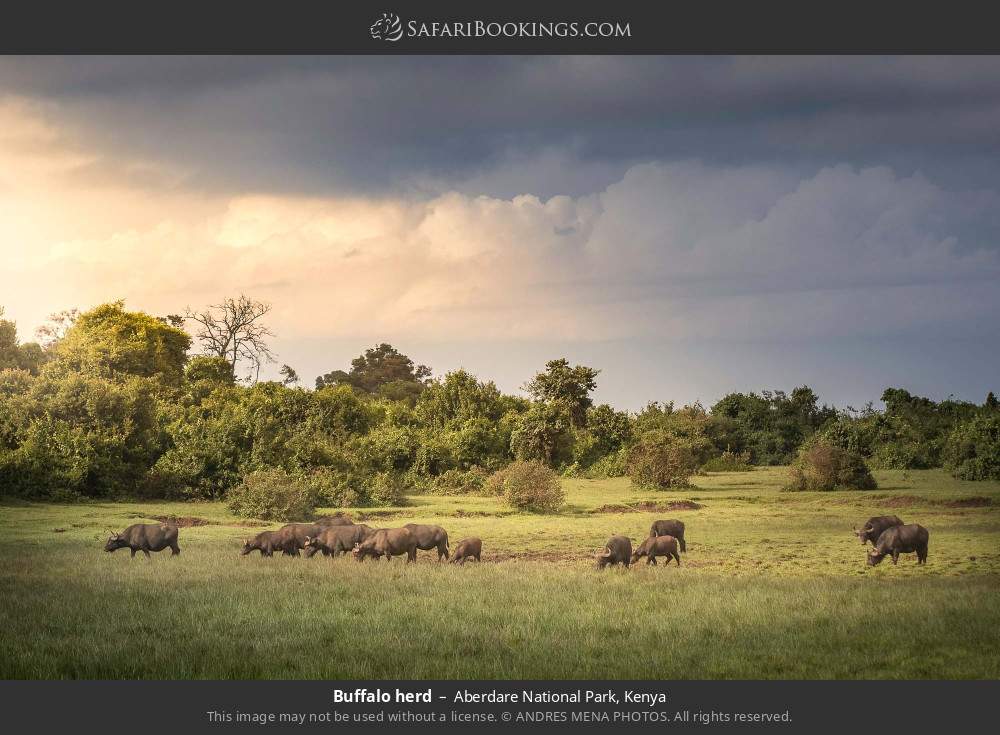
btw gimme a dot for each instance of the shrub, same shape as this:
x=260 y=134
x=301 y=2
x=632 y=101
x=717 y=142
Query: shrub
x=494 y=483
x=386 y=488
x=273 y=495
x=822 y=466
x=614 y=464
x=972 y=451
x=661 y=460
x=729 y=461
x=530 y=485
x=456 y=482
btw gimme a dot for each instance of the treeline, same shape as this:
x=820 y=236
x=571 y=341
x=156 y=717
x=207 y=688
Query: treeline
x=112 y=404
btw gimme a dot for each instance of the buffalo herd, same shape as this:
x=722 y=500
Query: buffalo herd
x=336 y=535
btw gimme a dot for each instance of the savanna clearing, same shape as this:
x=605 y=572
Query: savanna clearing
x=773 y=585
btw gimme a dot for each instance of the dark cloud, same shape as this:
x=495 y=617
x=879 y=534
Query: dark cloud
x=371 y=124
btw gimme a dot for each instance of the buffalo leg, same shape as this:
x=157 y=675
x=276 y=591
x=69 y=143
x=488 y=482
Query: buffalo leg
x=174 y=549
x=895 y=557
x=677 y=557
x=146 y=552
x=133 y=553
x=652 y=560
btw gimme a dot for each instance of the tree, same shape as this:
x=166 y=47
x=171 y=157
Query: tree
x=15 y=356
x=233 y=330
x=110 y=341
x=290 y=377
x=378 y=366
x=565 y=385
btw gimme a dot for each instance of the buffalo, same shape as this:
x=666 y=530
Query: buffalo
x=387 y=542
x=669 y=528
x=618 y=550
x=292 y=536
x=468 y=548
x=655 y=546
x=145 y=537
x=265 y=542
x=336 y=540
x=874 y=528
x=430 y=537
x=898 y=540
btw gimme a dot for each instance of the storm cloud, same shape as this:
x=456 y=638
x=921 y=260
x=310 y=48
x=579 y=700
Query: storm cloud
x=830 y=208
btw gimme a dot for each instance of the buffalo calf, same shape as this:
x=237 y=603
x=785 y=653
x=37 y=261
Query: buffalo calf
x=655 y=546
x=468 y=548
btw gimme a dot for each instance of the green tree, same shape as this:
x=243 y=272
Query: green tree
x=15 y=356
x=543 y=433
x=111 y=341
x=377 y=367
x=569 y=387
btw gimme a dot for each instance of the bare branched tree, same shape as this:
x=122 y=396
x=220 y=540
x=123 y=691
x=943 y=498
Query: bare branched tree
x=233 y=330
x=56 y=327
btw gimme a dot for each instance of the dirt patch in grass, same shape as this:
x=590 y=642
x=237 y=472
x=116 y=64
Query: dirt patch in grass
x=375 y=515
x=648 y=506
x=185 y=521
x=331 y=516
x=976 y=501
x=898 y=501
x=58 y=530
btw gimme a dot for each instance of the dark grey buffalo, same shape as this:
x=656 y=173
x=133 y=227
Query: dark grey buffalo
x=669 y=527
x=655 y=546
x=336 y=540
x=264 y=542
x=430 y=537
x=292 y=536
x=874 y=528
x=145 y=537
x=468 y=548
x=900 y=540
x=618 y=550
x=387 y=542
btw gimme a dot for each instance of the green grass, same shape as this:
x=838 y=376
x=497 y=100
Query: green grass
x=773 y=586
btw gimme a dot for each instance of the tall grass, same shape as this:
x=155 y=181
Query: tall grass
x=773 y=586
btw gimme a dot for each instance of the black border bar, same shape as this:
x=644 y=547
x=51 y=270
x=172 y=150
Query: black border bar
x=343 y=27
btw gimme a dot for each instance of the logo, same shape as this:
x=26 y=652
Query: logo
x=387 y=28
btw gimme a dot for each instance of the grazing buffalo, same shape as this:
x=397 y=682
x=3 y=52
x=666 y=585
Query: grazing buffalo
x=468 y=548
x=145 y=537
x=430 y=537
x=291 y=537
x=655 y=546
x=898 y=540
x=874 y=528
x=264 y=542
x=669 y=528
x=387 y=542
x=336 y=540
x=618 y=550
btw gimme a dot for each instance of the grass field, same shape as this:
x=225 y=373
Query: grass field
x=773 y=585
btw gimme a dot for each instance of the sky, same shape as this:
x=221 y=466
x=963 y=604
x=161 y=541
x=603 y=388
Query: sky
x=689 y=225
